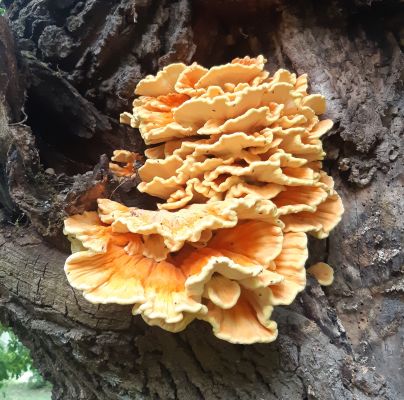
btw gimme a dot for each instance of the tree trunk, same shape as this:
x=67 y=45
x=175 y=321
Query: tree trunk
x=65 y=78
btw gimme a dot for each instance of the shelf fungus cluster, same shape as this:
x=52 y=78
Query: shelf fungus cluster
x=235 y=158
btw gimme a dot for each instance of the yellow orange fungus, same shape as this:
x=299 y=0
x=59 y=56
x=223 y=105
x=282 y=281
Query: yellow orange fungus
x=127 y=159
x=322 y=272
x=236 y=161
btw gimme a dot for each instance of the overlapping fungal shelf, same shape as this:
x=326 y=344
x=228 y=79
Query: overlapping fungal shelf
x=235 y=158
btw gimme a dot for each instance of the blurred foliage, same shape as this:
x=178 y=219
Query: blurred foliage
x=15 y=359
x=36 y=381
x=2 y=10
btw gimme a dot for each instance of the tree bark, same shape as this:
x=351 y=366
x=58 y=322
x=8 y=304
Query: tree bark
x=64 y=79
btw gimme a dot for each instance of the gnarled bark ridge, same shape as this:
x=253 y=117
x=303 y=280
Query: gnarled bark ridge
x=65 y=77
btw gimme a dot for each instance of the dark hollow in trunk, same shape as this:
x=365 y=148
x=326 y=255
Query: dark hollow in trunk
x=65 y=77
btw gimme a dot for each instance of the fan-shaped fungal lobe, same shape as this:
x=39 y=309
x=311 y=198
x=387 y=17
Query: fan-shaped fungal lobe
x=322 y=272
x=226 y=255
x=123 y=163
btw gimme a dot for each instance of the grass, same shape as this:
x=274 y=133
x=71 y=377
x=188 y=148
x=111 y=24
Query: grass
x=22 y=391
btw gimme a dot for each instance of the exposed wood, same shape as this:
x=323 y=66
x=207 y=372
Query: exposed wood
x=63 y=83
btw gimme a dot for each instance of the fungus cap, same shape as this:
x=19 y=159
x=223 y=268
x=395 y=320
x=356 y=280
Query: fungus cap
x=322 y=272
x=242 y=260
x=127 y=159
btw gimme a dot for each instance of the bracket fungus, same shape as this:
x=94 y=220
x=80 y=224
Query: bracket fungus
x=123 y=163
x=322 y=272
x=235 y=158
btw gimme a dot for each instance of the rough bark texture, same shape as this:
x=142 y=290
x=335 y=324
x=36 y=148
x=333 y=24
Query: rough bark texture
x=63 y=81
